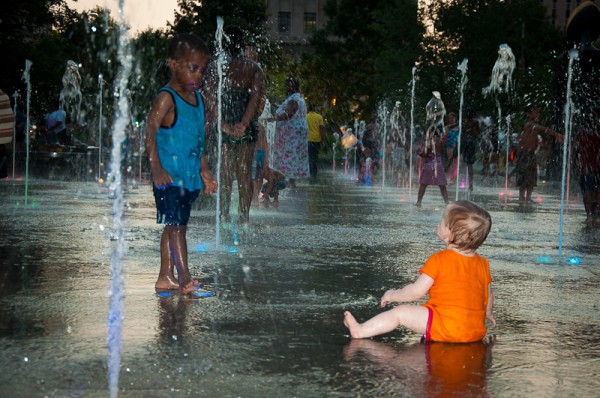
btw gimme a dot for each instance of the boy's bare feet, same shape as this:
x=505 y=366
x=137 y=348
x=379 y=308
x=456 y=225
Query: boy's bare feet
x=168 y=283
x=352 y=325
x=190 y=287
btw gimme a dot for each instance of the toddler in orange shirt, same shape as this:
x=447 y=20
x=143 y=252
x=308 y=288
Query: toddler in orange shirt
x=457 y=279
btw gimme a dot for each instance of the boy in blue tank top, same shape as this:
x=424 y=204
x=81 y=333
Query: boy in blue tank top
x=175 y=147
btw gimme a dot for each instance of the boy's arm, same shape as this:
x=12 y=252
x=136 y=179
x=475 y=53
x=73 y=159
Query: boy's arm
x=489 y=311
x=255 y=104
x=411 y=292
x=162 y=105
x=210 y=183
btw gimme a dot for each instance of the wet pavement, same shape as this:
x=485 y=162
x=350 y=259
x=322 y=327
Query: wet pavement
x=274 y=326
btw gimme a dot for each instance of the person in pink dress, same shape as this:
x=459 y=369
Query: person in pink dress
x=290 y=147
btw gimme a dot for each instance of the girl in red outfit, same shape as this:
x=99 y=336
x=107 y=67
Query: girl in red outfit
x=458 y=282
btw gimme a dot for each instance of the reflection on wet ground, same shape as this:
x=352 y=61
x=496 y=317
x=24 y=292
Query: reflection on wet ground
x=274 y=326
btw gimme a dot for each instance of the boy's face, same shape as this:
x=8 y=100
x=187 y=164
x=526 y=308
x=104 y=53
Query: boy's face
x=533 y=114
x=189 y=69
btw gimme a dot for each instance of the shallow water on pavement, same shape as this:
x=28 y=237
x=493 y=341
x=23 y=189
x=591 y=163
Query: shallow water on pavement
x=274 y=327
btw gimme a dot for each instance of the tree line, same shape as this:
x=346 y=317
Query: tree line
x=363 y=57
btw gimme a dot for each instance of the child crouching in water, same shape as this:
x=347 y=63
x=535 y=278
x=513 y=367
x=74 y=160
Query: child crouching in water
x=457 y=279
x=276 y=181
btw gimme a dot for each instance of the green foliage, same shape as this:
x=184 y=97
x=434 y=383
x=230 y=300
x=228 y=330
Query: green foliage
x=364 y=54
x=200 y=17
x=474 y=29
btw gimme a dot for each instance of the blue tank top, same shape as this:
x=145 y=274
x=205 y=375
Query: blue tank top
x=181 y=145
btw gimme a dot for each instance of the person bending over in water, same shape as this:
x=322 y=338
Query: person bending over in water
x=175 y=147
x=457 y=279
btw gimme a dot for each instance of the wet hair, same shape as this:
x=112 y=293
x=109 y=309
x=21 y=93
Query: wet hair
x=236 y=43
x=185 y=42
x=293 y=82
x=468 y=223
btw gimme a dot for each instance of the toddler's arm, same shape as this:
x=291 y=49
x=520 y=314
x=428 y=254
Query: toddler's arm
x=411 y=292
x=489 y=312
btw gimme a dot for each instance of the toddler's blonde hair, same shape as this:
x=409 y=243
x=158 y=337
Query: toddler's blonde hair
x=468 y=223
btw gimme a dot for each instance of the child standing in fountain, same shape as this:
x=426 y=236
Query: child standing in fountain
x=457 y=279
x=526 y=167
x=175 y=147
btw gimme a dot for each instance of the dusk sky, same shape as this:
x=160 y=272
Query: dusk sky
x=139 y=14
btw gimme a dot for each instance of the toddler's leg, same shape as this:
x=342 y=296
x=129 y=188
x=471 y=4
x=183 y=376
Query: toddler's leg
x=412 y=317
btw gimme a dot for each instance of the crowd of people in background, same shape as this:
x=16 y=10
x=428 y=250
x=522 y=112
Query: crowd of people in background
x=437 y=152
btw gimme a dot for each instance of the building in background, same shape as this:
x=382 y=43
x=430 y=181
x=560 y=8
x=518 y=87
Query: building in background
x=559 y=11
x=294 y=21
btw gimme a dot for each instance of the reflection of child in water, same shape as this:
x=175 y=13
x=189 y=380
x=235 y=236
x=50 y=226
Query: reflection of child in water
x=445 y=369
x=457 y=280
x=276 y=181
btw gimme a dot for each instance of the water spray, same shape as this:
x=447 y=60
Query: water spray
x=116 y=292
x=412 y=129
x=27 y=78
x=462 y=67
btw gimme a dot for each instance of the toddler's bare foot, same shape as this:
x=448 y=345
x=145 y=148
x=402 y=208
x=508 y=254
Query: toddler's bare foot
x=168 y=283
x=190 y=287
x=352 y=325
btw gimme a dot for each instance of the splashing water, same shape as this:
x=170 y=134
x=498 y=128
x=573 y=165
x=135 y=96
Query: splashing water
x=115 y=315
x=27 y=78
x=462 y=67
x=501 y=81
x=100 y=84
x=269 y=128
x=502 y=71
x=412 y=129
x=573 y=55
x=435 y=116
x=336 y=137
x=15 y=101
x=383 y=117
x=220 y=64
x=70 y=95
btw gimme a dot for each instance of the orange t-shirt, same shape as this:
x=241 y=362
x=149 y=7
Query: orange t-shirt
x=458 y=297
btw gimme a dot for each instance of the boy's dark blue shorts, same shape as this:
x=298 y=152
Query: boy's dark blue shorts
x=174 y=205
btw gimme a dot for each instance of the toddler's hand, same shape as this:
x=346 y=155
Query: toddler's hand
x=386 y=298
x=490 y=317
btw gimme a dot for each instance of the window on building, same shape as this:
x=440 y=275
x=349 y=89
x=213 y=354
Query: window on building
x=310 y=22
x=284 y=19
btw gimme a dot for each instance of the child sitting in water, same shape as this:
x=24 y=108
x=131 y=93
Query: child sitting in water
x=458 y=282
x=275 y=182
